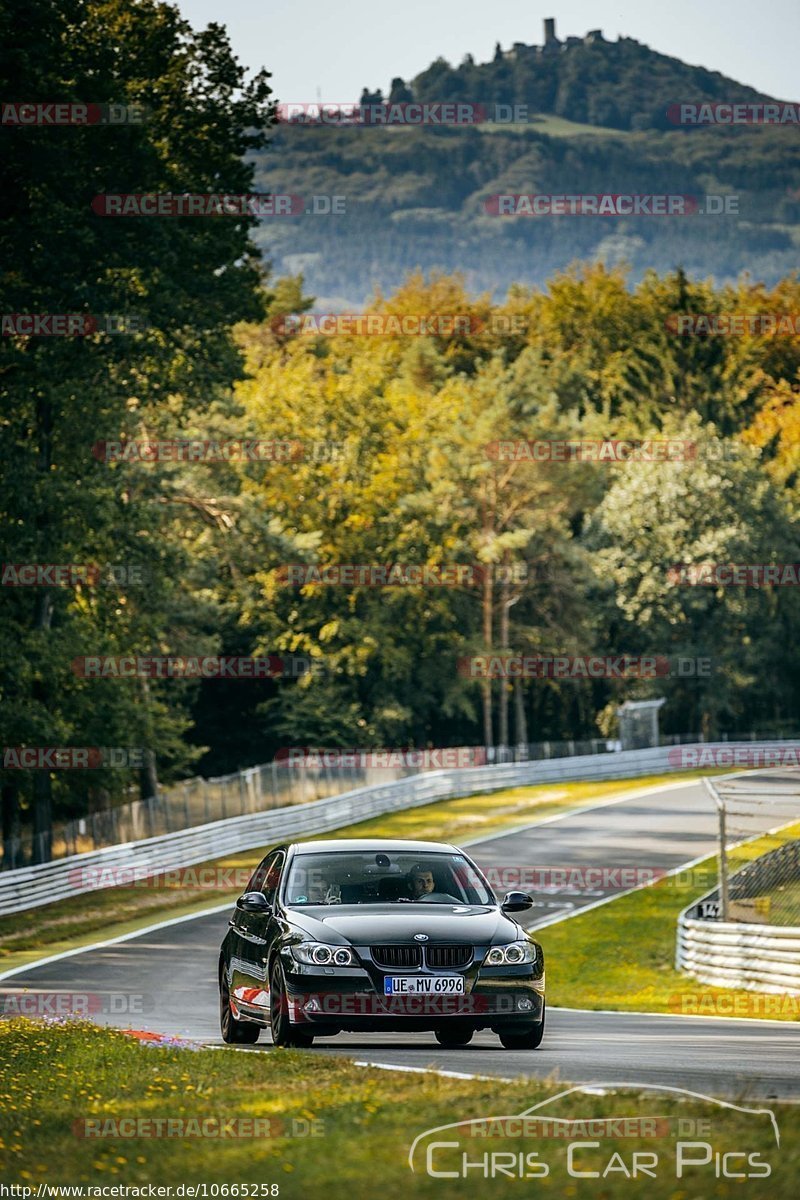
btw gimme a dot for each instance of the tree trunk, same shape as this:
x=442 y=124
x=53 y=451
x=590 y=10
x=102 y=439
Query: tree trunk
x=42 y=783
x=12 y=849
x=42 y=817
x=488 y=596
x=520 y=720
x=504 y=648
x=148 y=775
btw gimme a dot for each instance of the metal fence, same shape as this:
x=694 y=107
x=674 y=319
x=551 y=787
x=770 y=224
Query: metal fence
x=31 y=886
x=192 y=803
x=745 y=933
x=278 y=784
x=762 y=808
x=771 y=885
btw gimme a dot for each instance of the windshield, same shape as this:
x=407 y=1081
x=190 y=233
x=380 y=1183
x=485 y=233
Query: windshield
x=372 y=877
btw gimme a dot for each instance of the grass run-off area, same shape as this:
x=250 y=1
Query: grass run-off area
x=91 y=1106
x=111 y=912
x=621 y=955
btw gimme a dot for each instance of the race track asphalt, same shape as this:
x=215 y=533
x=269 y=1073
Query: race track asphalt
x=165 y=979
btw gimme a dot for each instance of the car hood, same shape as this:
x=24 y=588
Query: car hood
x=453 y=924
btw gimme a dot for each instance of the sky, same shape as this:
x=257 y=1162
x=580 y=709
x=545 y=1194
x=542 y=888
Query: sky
x=330 y=49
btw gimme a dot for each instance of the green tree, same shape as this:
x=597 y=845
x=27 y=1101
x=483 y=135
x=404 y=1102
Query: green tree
x=720 y=508
x=186 y=280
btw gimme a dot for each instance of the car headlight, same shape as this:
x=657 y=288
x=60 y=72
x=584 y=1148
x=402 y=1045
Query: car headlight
x=511 y=955
x=320 y=954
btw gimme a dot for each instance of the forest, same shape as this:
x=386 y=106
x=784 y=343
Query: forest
x=132 y=531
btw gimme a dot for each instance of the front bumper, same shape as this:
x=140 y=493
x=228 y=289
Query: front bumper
x=352 y=998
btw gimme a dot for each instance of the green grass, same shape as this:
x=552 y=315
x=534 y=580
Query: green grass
x=112 y=912
x=553 y=126
x=54 y=1076
x=620 y=955
x=783 y=903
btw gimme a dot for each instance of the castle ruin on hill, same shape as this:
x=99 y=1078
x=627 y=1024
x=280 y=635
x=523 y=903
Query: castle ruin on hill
x=553 y=44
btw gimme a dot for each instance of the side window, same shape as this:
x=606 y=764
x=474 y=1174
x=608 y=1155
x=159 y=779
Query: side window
x=273 y=875
x=256 y=883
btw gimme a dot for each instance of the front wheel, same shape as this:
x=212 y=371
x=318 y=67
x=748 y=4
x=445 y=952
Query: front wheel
x=235 y=1033
x=528 y=1039
x=283 y=1032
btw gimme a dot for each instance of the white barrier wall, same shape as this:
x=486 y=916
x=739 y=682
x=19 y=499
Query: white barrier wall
x=763 y=958
x=30 y=887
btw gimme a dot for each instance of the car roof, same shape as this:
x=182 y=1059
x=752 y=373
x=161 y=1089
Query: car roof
x=376 y=844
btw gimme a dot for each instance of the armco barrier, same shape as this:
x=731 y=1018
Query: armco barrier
x=742 y=954
x=763 y=958
x=30 y=887
x=737 y=953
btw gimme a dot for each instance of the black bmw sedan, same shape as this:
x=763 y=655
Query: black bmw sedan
x=378 y=936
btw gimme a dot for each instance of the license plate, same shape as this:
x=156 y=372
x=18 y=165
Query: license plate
x=423 y=985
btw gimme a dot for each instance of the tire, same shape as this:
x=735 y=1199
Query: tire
x=283 y=1032
x=528 y=1039
x=235 y=1033
x=457 y=1036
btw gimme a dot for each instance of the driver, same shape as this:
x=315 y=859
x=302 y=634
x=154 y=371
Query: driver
x=323 y=890
x=420 y=881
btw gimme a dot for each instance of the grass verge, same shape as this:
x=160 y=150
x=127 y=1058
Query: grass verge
x=113 y=912
x=61 y=1082
x=633 y=938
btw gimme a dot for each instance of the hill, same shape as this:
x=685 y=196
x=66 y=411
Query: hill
x=596 y=123
x=589 y=80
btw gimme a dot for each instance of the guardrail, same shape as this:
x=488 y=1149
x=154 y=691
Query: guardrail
x=289 y=779
x=294 y=778
x=31 y=887
x=742 y=954
x=763 y=958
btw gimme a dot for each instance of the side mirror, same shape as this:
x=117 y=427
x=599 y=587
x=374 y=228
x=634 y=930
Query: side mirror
x=254 y=902
x=516 y=902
